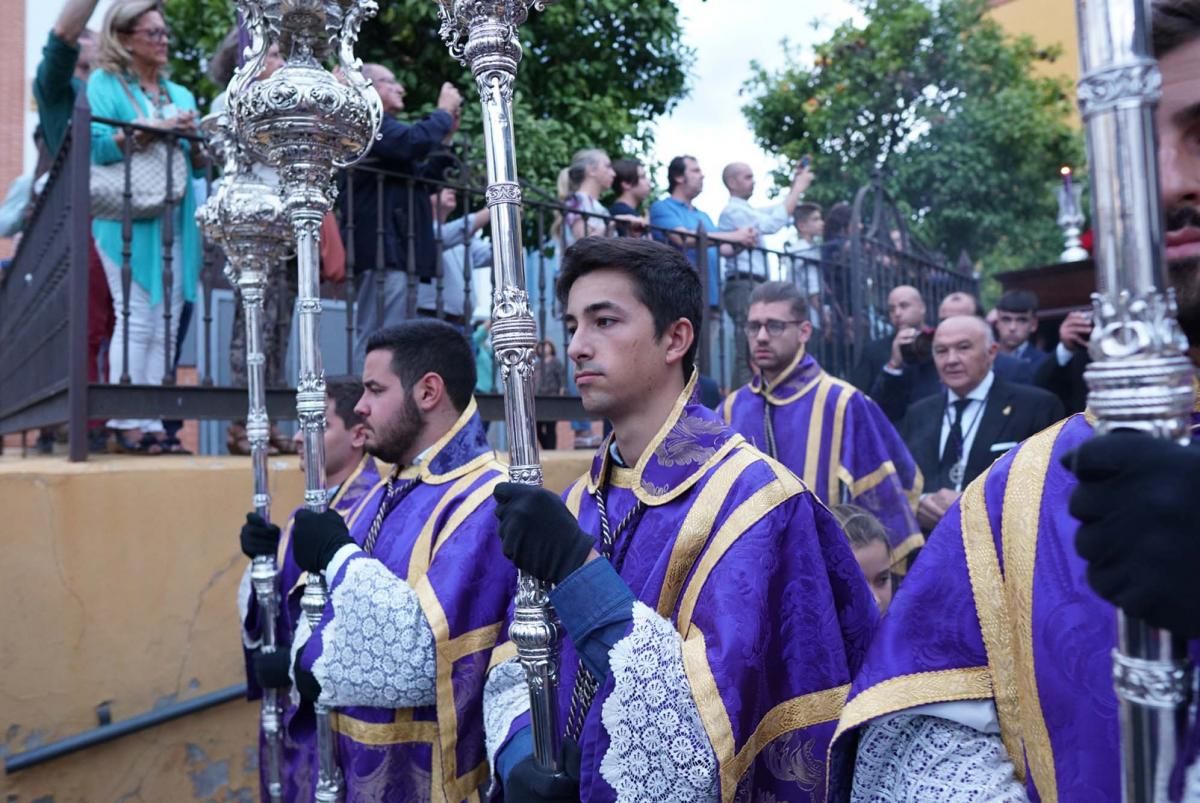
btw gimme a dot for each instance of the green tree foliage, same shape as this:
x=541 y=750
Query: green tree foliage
x=970 y=134
x=595 y=73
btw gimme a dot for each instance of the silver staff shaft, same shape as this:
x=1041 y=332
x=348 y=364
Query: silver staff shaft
x=310 y=410
x=244 y=215
x=484 y=37
x=1140 y=378
x=263 y=571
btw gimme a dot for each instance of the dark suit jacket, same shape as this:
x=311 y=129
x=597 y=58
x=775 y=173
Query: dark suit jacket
x=870 y=362
x=1033 y=357
x=1065 y=381
x=400 y=149
x=896 y=394
x=1013 y=413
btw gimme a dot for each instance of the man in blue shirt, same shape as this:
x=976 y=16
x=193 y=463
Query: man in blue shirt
x=674 y=217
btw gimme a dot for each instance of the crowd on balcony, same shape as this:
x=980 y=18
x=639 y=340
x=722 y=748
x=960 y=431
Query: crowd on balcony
x=399 y=224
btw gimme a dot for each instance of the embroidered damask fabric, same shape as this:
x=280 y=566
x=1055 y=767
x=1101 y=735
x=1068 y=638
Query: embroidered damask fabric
x=910 y=758
x=378 y=649
x=658 y=750
x=505 y=697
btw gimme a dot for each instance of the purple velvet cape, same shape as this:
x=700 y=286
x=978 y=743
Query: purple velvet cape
x=761 y=585
x=299 y=746
x=997 y=607
x=441 y=539
x=833 y=436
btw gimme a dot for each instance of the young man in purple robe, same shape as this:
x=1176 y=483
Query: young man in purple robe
x=991 y=676
x=712 y=609
x=829 y=433
x=418 y=586
x=352 y=474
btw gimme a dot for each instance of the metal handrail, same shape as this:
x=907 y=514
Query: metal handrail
x=107 y=733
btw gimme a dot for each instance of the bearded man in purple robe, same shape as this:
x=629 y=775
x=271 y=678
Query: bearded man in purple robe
x=991 y=676
x=826 y=431
x=418 y=586
x=712 y=608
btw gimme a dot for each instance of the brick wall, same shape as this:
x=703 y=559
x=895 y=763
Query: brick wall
x=14 y=99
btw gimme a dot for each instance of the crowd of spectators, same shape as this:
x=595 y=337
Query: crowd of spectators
x=402 y=225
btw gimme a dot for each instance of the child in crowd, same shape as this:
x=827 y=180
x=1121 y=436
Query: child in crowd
x=869 y=541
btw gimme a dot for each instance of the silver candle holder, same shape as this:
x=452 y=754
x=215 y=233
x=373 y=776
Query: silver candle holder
x=305 y=122
x=245 y=217
x=1070 y=219
x=483 y=36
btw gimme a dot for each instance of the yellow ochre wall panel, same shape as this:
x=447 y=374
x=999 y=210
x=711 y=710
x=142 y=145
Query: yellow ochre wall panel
x=119 y=587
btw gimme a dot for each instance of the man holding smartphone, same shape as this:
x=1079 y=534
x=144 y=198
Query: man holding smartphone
x=1062 y=374
x=747 y=269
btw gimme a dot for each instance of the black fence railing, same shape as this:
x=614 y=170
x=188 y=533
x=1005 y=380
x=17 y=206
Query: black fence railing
x=389 y=273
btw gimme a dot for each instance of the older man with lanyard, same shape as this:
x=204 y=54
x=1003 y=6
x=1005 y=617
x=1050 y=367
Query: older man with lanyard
x=955 y=435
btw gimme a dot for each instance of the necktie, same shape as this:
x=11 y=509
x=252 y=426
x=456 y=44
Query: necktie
x=952 y=451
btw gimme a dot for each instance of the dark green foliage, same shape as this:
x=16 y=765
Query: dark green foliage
x=970 y=133
x=595 y=72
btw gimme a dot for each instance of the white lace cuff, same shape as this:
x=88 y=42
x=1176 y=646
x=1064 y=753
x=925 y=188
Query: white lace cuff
x=245 y=595
x=912 y=758
x=658 y=748
x=341 y=556
x=376 y=647
x=505 y=697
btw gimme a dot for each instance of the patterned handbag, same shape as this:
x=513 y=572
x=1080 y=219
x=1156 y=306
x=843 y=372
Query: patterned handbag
x=147 y=180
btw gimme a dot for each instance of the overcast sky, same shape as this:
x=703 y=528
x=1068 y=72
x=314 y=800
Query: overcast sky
x=727 y=35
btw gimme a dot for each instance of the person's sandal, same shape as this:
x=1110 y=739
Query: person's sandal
x=280 y=443
x=236 y=440
x=149 y=444
x=124 y=441
x=172 y=446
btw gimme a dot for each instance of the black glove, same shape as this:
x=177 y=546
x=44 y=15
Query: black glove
x=271 y=668
x=538 y=533
x=316 y=538
x=259 y=537
x=306 y=684
x=1138 y=530
x=528 y=783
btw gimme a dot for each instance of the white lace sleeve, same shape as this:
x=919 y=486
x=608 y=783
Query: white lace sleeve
x=505 y=697
x=376 y=648
x=245 y=594
x=658 y=748
x=912 y=758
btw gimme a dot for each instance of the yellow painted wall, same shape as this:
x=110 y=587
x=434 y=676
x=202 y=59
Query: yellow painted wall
x=1049 y=22
x=119 y=585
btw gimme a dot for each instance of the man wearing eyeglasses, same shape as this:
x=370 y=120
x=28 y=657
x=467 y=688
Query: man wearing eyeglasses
x=826 y=431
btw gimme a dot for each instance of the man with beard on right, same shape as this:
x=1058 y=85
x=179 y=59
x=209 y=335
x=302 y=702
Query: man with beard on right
x=990 y=679
x=418 y=584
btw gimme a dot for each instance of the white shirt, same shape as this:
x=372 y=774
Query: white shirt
x=970 y=416
x=768 y=220
x=454 y=283
x=806 y=267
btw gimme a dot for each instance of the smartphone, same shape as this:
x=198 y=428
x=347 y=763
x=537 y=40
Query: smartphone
x=804 y=162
